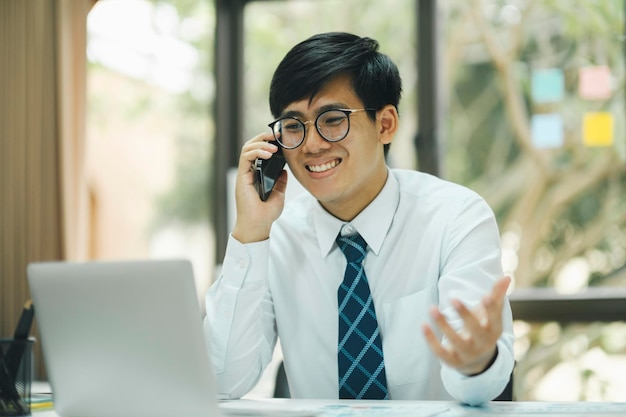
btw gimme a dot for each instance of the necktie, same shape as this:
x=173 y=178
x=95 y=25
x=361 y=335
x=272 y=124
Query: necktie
x=360 y=351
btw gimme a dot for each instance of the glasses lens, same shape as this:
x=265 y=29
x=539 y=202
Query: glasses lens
x=289 y=132
x=333 y=125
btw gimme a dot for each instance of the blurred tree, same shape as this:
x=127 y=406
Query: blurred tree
x=553 y=205
x=189 y=201
x=562 y=211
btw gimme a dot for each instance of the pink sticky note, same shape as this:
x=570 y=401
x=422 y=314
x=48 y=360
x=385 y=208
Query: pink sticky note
x=594 y=83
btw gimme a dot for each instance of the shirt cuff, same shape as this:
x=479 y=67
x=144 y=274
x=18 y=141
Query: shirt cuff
x=479 y=389
x=245 y=262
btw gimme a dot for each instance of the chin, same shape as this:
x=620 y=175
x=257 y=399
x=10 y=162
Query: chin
x=325 y=196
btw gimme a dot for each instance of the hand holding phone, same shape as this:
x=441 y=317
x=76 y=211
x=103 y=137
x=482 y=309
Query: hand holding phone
x=267 y=171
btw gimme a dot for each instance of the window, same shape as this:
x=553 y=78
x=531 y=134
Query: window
x=535 y=123
x=149 y=88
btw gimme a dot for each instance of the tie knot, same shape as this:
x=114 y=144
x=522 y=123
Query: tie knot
x=353 y=247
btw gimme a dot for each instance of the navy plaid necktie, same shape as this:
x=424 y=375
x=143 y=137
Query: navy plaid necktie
x=360 y=350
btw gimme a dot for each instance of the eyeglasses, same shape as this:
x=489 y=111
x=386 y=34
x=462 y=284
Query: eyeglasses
x=332 y=125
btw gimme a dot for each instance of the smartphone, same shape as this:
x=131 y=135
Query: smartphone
x=267 y=171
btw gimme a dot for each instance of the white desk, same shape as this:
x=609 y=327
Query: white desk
x=350 y=408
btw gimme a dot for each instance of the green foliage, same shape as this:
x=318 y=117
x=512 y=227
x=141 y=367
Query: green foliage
x=188 y=202
x=564 y=206
x=540 y=193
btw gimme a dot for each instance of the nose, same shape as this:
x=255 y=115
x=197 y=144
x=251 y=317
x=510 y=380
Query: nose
x=313 y=141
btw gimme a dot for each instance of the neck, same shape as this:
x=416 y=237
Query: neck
x=348 y=210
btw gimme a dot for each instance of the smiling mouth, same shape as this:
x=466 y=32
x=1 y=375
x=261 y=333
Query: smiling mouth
x=323 y=167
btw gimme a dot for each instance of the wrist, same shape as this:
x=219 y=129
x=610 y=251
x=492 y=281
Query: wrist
x=481 y=367
x=250 y=234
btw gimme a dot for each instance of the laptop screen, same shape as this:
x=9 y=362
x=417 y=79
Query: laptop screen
x=123 y=338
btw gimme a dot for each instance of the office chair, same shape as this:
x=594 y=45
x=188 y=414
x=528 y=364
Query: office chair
x=507 y=394
x=281 y=387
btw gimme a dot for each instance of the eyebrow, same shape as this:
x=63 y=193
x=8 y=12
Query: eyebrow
x=330 y=106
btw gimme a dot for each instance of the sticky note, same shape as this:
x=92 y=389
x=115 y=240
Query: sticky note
x=547 y=85
x=547 y=130
x=594 y=83
x=598 y=129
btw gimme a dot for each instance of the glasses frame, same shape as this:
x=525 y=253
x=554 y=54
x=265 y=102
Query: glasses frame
x=347 y=112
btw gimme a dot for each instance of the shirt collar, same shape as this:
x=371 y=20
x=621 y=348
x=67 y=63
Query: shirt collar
x=372 y=223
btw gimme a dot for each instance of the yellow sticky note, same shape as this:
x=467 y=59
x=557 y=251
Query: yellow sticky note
x=598 y=129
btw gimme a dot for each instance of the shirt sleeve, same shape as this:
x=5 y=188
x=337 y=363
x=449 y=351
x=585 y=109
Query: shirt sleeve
x=471 y=265
x=478 y=389
x=239 y=324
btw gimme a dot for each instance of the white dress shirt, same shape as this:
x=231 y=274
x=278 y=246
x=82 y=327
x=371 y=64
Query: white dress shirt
x=429 y=241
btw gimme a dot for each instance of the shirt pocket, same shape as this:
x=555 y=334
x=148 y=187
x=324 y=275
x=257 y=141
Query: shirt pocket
x=407 y=355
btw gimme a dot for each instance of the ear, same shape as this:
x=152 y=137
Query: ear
x=387 y=122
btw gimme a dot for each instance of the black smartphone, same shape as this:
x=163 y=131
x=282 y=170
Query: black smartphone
x=267 y=171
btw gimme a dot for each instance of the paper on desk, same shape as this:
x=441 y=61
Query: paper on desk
x=396 y=410
x=235 y=412
x=560 y=409
x=341 y=410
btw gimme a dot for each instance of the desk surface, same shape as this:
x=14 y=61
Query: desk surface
x=352 y=408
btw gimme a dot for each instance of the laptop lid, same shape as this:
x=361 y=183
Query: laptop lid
x=123 y=338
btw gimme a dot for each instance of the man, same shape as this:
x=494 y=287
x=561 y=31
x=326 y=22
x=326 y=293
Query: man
x=433 y=324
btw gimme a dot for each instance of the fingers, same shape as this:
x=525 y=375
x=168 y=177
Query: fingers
x=475 y=322
x=499 y=290
x=470 y=347
x=450 y=357
x=281 y=184
x=255 y=217
x=448 y=331
x=257 y=147
x=486 y=318
x=494 y=301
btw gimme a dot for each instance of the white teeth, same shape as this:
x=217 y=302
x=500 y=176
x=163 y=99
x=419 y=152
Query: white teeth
x=322 y=168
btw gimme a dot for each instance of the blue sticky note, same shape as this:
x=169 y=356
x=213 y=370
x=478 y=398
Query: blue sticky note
x=547 y=85
x=547 y=130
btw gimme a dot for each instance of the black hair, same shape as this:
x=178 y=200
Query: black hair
x=312 y=63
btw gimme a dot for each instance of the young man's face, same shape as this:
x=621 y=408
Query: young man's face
x=344 y=176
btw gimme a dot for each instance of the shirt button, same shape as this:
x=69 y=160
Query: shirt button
x=349 y=230
x=242 y=263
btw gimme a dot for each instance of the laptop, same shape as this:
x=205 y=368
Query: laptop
x=123 y=339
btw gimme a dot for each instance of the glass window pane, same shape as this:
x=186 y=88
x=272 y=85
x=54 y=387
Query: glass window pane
x=150 y=83
x=535 y=123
